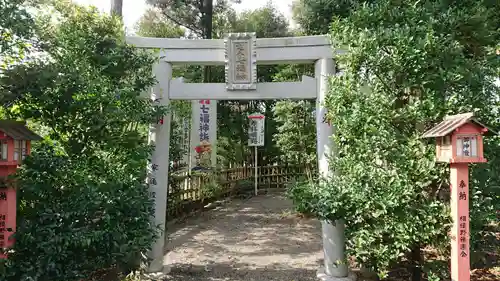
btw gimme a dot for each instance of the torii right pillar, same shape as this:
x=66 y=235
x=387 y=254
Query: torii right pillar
x=335 y=264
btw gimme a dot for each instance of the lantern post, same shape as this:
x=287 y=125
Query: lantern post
x=459 y=141
x=15 y=144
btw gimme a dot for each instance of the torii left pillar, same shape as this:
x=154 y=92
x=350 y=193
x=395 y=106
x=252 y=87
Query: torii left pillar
x=159 y=137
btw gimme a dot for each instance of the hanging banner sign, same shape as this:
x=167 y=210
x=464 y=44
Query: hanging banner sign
x=204 y=120
x=204 y=148
x=256 y=129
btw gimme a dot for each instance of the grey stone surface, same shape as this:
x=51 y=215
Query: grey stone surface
x=257 y=239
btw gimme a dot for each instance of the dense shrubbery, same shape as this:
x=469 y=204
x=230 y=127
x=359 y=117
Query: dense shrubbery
x=84 y=204
x=76 y=216
x=295 y=136
x=408 y=64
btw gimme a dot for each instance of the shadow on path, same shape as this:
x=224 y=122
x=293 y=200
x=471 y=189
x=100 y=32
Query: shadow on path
x=230 y=272
x=254 y=239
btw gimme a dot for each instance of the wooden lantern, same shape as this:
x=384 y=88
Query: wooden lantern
x=15 y=144
x=459 y=139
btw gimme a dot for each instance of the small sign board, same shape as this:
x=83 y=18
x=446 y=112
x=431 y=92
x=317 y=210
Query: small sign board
x=256 y=129
x=240 y=61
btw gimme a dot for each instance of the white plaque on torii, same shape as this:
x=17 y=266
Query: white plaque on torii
x=240 y=61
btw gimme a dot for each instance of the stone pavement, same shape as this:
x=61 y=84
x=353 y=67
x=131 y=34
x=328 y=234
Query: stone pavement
x=257 y=239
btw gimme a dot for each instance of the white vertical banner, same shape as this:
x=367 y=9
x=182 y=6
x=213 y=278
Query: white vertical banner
x=186 y=140
x=204 y=130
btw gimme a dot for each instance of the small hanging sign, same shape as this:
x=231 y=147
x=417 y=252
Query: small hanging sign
x=256 y=129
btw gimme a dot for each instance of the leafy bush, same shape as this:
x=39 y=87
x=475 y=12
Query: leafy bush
x=84 y=204
x=402 y=73
x=210 y=188
x=295 y=137
x=245 y=186
x=77 y=216
x=302 y=195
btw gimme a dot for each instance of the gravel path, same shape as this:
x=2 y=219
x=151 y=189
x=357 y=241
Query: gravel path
x=258 y=239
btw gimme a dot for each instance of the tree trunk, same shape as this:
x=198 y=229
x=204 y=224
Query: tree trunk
x=116 y=7
x=208 y=19
x=208 y=13
x=416 y=259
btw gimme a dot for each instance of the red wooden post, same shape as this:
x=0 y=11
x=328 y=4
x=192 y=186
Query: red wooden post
x=460 y=261
x=459 y=141
x=8 y=205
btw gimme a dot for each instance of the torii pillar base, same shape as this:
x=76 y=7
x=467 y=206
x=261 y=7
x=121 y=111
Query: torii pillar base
x=335 y=267
x=325 y=277
x=157 y=275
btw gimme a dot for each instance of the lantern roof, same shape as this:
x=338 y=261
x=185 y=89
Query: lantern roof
x=452 y=122
x=18 y=130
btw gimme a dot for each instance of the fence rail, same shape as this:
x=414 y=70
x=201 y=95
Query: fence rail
x=188 y=193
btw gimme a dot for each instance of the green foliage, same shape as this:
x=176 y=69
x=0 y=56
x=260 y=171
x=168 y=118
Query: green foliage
x=180 y=123
x=316 y=16
x=295 y=121
x=84 y=204
x=245 y=185
x=211 y=188
x=199 y=17
x=485 y=201
x=403 y=72
x=77 y=216
x=296 y=134
x=154 y=24
x=302 y=195
x=265 y=22
x=90 y=78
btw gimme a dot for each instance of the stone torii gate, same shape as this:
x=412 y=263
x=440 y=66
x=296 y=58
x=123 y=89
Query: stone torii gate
x=240 y=53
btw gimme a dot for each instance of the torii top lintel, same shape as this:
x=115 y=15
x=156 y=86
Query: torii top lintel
x=302 y=49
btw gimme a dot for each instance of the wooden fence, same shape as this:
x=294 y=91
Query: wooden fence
x=188 y=193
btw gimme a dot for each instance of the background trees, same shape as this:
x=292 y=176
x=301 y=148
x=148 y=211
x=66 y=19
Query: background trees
x=15 y=32
x=232 y=115
x=154 y=24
